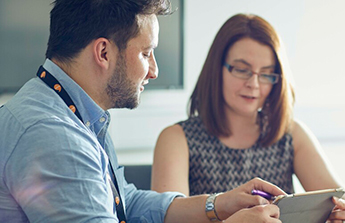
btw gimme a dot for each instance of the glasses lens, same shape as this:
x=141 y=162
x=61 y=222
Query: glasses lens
x=269 y=78
x=242 y=73
x=245 y=73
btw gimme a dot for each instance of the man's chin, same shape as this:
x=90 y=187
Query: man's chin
x=133 y=104
x=129 y=104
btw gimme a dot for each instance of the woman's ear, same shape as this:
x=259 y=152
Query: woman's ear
x=103 y=52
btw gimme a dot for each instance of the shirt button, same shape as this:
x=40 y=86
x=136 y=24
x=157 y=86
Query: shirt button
x=117 y=200
x=87 y=124
x=102 y=119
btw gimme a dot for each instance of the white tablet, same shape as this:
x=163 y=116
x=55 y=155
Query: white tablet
x=308 y=207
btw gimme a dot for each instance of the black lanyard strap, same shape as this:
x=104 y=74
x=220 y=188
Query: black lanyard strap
x=54 y=84
x=117 y=198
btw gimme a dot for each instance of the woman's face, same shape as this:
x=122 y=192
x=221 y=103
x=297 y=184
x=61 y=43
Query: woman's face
x=246 y=96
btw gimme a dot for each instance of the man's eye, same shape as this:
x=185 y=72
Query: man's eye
x=147 y=54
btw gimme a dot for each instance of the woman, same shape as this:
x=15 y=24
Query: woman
x=240 y=123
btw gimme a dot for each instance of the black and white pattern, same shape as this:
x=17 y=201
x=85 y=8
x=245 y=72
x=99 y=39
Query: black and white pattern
x=213 y=167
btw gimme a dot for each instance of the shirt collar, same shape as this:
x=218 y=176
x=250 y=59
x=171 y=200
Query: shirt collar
x=94 y=117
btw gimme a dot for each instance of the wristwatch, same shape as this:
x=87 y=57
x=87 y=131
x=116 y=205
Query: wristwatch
x=211 y=209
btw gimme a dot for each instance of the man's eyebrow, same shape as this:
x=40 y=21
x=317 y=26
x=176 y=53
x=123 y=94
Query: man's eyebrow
x=151 y=46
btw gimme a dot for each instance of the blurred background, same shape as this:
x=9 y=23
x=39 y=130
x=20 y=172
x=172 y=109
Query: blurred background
x=312 y=31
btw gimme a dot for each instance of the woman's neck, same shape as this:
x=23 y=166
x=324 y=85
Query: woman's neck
x=244 y=130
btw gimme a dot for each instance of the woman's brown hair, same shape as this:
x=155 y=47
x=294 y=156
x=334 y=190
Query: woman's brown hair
x=207 y=98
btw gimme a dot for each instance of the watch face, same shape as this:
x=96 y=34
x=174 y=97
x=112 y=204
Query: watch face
x=209 y=206
x=210 y=202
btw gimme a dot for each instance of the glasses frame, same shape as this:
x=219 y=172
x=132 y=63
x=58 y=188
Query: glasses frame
x=230 y=68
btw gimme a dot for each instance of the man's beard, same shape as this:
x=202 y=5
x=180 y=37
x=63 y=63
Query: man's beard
x=122 y=92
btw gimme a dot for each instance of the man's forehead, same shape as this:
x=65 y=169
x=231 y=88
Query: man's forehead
x=148 y=31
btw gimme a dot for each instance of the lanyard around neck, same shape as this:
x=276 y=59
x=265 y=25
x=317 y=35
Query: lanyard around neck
x=54 y=84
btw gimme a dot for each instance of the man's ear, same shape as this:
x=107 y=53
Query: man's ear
x=104 y=52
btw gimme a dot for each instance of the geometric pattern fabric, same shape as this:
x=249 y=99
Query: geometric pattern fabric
x=214 y=167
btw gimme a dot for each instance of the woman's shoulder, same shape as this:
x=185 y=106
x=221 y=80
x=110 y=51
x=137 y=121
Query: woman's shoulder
x=193 y=120
x=294 y=130
x=172 y=129
x=172 y=132
x=172 y=138
x=298 y=128
x=181 y=129
x=192 y=124
x=301 y=134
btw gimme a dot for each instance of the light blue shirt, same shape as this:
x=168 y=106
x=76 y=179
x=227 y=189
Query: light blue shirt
x=53 y=167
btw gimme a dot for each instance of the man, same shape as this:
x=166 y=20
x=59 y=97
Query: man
x=57 y=161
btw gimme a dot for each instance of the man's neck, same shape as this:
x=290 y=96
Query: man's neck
x=83 y=75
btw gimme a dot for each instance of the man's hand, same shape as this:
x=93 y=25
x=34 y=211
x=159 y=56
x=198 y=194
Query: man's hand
x=236 y=206
x=241 y=198
x=258 y=214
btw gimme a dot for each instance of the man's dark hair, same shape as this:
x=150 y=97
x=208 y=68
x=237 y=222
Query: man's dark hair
x=75 y=23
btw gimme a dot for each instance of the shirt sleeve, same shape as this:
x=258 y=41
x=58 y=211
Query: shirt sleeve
x=141 y=206
x=57 y=173
x=147 y=206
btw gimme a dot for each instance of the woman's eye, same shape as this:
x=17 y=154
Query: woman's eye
x=270 y=77
x=241 y=70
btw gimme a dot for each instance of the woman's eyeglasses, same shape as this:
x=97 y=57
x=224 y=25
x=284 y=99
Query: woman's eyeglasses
x=245 y=73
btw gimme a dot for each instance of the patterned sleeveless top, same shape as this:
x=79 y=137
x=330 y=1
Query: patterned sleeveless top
x=213 y=167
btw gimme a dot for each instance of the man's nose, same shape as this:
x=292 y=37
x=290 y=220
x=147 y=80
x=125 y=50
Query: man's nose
x=153 y=67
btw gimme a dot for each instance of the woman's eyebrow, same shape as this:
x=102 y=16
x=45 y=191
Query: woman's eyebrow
x=242 y=61
x=269 y=67
x=248 y=64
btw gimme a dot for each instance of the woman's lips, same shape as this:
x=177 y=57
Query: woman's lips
x=249 y=98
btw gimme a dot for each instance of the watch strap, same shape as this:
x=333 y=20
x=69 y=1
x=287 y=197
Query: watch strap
x=210 y=208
